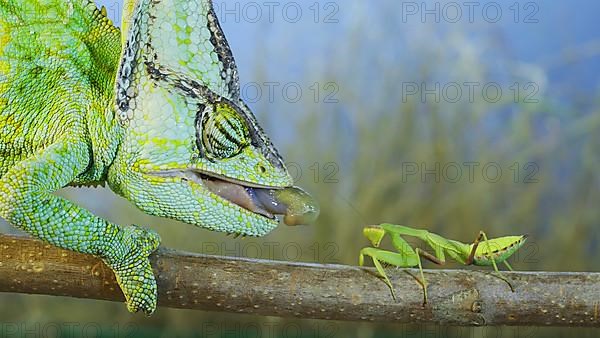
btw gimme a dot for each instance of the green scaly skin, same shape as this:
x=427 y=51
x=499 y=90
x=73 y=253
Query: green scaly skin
x=155 y=112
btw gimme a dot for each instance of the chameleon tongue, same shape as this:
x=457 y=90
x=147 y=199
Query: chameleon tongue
x=237 y=194
x=297 y=206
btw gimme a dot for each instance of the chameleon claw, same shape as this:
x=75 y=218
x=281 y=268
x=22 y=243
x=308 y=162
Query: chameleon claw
x=133 y=270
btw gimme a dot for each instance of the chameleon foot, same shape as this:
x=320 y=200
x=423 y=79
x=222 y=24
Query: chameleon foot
x=132 y=268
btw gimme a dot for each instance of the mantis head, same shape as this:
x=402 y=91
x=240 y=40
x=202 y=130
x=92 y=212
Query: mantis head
x=374 y=234
x=191 y=149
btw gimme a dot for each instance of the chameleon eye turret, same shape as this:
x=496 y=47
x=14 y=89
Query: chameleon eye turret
x=222 y=132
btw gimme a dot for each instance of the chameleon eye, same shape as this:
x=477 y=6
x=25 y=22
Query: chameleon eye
x=224 y=133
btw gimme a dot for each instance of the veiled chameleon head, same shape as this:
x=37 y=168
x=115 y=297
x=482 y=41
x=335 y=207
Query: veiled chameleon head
x=191 y=149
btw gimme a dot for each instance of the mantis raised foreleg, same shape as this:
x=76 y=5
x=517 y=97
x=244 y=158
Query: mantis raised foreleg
x=481 y=252
x=405 y=257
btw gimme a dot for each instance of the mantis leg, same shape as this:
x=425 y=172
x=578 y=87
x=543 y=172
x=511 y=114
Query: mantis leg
x=423 y=281
x=489 y=252
x=476 y=242
x=420 y=253
x=401 y=260
x=381 y=271
x=373 y=253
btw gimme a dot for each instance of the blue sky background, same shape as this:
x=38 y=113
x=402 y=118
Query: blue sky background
x=564 y=40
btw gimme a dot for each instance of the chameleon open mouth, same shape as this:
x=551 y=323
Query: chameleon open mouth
x=294 y=204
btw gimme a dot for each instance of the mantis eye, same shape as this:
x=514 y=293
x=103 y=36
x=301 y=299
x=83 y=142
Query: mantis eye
x=224 y=132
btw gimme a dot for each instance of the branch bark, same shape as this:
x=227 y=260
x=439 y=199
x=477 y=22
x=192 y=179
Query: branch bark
x=336 y=292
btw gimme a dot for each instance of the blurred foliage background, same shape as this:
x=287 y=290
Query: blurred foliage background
x=387 y=129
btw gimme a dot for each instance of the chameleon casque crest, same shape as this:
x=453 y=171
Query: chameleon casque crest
x=154 y=111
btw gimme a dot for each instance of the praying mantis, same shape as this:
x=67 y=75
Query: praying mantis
x=482 y=252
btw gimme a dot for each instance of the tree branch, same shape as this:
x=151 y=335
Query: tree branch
x=304 y=290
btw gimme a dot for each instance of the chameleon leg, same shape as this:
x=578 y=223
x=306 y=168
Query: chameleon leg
x=129 y=261
x=498 y=273
x=27 y=201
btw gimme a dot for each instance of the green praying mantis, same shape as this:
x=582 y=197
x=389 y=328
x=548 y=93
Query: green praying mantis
x=482 y=252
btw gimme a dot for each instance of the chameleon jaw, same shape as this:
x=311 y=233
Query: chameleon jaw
x=294 y=204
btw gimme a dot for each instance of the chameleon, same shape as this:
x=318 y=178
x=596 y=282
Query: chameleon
x=482 y=252
x=153 y=110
